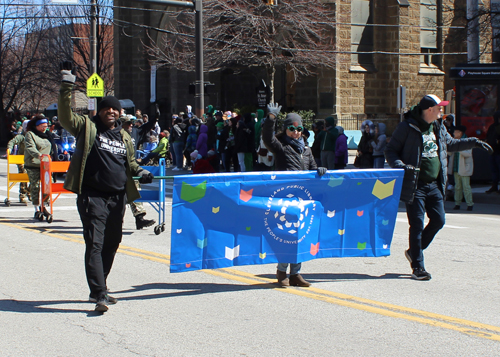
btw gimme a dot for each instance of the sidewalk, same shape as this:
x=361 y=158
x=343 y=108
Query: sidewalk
x=478 y=190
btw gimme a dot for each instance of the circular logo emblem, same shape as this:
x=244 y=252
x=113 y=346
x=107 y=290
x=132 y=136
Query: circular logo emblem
x=290 y=214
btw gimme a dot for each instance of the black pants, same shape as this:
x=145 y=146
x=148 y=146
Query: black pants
x=428 y=200
x=102 y=218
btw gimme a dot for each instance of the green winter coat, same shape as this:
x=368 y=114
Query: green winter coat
x=162 y=147
x=34 y=148
x=85 y=131
x=19 y=141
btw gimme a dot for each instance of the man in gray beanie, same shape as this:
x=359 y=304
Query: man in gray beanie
x=103 y=186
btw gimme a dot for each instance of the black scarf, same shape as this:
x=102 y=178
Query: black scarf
x=416 y=113
x=297 y=144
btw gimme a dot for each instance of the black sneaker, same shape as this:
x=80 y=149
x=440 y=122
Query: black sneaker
x=457 y=207
x=111 y=300
x=469 y=208
x=420 y=274
x=102 y=305
x=408 y=256
x=141 y=223
x=492 y=189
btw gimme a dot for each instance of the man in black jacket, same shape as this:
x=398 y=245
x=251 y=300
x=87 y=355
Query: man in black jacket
x=419 y=145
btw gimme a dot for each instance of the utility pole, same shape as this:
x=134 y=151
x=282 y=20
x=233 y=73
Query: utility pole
x=93 y=37
x=200 y=83
x=472 y=31
x=199 y=97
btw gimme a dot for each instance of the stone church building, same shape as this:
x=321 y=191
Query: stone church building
x=382 y=44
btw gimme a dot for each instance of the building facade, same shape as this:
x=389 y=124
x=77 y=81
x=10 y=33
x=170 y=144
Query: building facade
x=381 y=45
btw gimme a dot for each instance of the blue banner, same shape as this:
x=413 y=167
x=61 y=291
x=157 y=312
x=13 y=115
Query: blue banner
x=224 y=220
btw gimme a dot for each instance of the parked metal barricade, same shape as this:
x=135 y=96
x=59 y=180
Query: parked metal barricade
x=48 y=188
x=14 y=178
x=156 y=197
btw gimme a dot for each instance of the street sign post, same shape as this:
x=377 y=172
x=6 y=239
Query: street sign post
x=95 y=86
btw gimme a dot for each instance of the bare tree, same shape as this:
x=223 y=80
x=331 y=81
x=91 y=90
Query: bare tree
x=69 y=40
x=21 y=30
x=485 y=25
x=297 y=34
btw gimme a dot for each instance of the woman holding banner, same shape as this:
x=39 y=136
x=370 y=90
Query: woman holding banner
x=291 y=154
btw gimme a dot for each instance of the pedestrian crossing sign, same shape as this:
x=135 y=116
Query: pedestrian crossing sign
x=95 y=86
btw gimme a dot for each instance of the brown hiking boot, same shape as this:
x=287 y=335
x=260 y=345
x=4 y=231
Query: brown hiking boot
x=298 y=280
x=282 y=278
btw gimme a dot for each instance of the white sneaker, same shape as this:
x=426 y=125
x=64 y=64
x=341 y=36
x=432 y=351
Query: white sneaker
x=176 y=169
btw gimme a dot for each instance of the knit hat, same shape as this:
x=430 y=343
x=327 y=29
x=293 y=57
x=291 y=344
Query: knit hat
x=109 y=102
x=220 y=125
x=194 y=155
x=292 y=119
x=430 y=100
x=219 y=113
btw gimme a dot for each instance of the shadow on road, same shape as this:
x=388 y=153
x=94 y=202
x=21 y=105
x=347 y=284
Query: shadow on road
x=20 y=306
x=324 y=277
x=183 y=289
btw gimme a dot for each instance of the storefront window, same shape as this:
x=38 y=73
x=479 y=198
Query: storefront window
x=478 y=102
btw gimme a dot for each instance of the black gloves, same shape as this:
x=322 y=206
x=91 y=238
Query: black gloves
x=147 y=177
x=322 y=171
x=485 y=146
x=409 y=168
x=68 y=72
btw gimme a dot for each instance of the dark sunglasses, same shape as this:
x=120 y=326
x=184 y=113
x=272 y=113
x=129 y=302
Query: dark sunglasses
x=293 y=128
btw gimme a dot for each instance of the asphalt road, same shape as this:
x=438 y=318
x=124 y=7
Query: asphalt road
x=356 y=306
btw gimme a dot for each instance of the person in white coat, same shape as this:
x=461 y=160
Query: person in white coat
x=461 y=166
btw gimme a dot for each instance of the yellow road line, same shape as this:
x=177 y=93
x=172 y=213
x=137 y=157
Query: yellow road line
x=427 y=318
x=377 y=303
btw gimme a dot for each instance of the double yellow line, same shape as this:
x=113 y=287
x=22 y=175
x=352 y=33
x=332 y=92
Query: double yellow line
x=376 y=307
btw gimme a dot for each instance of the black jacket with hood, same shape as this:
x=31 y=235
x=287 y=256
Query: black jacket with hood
x=286 y=158
x=406 y=146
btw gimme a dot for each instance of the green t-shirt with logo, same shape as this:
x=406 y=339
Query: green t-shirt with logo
x=430 y=165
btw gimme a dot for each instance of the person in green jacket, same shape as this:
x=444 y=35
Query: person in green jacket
x=161 y=149
x=101 y=174
x=18 y=140
x=328 y=138
x=37 y=142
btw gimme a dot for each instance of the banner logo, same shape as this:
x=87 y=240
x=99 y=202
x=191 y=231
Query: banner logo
x=290 y=214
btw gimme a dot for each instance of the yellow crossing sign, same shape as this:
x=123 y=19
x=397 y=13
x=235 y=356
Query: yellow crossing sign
x=95 y=86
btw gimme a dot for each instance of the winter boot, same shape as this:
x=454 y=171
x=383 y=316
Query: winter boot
x=282 y=278
x=141 y=223
x=298 y=280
